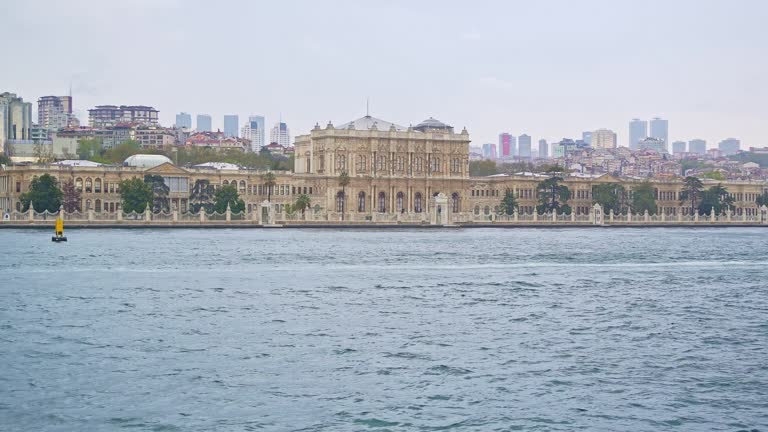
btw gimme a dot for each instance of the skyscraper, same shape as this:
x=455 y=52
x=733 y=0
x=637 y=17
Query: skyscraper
x=524 y=146
x=679 y=147
x=729 y=146
x=543 y=149
x=488 y=151
x=280 y=134
x=183 y=120
x=659 y=129
x=587 y=137
x=697 y=146
x=203 y=123
x=254 y=130
x=505 y=142
x=603 y=139
x=638 y=130
x=15 y=120
x=231 y=125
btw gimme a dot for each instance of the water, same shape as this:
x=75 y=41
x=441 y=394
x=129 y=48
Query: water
x=324 y=330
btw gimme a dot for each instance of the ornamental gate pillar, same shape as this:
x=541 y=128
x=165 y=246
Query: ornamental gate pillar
x=440 y=206
x=763 y=214
x=596 y=216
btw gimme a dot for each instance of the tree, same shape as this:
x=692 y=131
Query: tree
x=4 y=159
x=201 y=196
x=302 y=203
x=508 y=203
x=644 y=198
x=611 y=196
x=715 y=198
x=227 y=195
x=135 y=194
x=343 y=182
x=762 y=199
x=691 y=192
x=44 y=194
x=88 y=148
x=72 y=197
x=553 y=196
x=160 y=191
x=269 y=182
x=482 y=168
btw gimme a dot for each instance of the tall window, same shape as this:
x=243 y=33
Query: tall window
x=400 y=166
x=419 y=164
x=382 y=202
x=341 y=162
x=361 y=202
x=340 y=202
x=455 y=165
x=381 y=163
x=399 y=202
x=417 y=202
x=321 y=160
x=361 y=164
x=435 y=167
x=455 y=202
x=308 y=157
x=78 y=185
x=88 y=184
x=97 y=185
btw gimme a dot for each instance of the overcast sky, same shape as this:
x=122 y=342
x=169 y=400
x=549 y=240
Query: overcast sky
x=551 y=69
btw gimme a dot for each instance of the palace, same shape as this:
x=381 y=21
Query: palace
x=394 y=171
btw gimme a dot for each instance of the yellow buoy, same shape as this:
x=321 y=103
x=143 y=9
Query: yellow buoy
x=59 y=235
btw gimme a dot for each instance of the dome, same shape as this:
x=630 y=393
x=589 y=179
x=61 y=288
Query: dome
x=432 y=123
x=146 y=160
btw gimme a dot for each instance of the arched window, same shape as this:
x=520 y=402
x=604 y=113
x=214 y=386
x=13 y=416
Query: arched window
x=225 y=182
x=341 y=162
x=98 y=206
x=455 y=165
x=435 y=165
x=487 y=210
x=79 y=184
x=455 y=202
x=477 y=209
x=417 y=202
x=382 y=202
x=88 y=184
x=250 y=208
x=87 y=205
x=340 y=202
x=400 y=166
x=361 y=165
x=97 y=185
x=361 y=202
x=242 y=187
x=381 y=163
x=399 y=201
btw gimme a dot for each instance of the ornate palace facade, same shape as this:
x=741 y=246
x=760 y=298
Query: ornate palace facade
x=393 y=170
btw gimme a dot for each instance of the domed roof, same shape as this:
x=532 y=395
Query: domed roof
x=431 y=123
x=146 y=160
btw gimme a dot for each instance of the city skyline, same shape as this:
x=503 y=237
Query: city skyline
x=548 y=104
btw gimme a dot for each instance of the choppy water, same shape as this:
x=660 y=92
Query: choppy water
x=288 y=330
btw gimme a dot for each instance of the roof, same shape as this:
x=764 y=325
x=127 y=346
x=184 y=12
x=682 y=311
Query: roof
x=367 y=122
x=431 y=123
x=146 y=160
x=77 y=162
x=217 y=166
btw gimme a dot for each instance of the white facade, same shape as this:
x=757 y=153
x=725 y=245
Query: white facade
x=280 y=134
x=253 y=130
x=604 y=139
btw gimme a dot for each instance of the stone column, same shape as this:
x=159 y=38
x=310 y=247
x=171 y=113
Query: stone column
x=663 y=218
x=31 y=215
x=554 y=216
x=90 y=215
x=175 y=216
x=695 y=216
x=573 y=216
x=611 y=217
x=646 y=216
x=728 y=215
x=763 y=214
x=629 y=215
x=62 y=213
x=515 y=215
x=202 y=215
x=680 y=215
x=119 y=215
x=535 y=215
x=712 y=215
x=147 y=214
x=228 y=213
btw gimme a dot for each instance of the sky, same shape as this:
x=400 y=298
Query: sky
x=551 y=69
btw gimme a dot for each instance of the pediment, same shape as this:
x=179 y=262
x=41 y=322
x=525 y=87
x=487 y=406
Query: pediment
x=166 y=168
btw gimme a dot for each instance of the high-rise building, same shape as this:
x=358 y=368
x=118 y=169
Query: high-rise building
x=697 y=146
x=638 y=130
x=603 y=139
x=254 y=131
x=15 y=120
x=679 y=147
x=489 y=151
x=654 y=144
x=55 y=112
x=203 y=123
x=659 y=129
x=543 y=149
x=729 y=146
x=183 y=120
x=280 y=134
x=231 y=125
x=524 y=146
x=505 y=145
x=103 y=116
x=587 y=137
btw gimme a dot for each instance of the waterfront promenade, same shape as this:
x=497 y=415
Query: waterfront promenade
x=268 y=218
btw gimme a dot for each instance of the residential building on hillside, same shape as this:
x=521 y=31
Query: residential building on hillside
x=103 y=116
